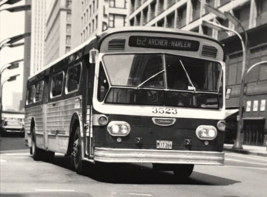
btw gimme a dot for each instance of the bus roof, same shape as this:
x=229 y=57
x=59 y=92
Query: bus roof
x=124 y=29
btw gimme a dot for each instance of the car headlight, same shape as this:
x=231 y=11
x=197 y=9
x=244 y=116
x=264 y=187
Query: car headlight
x=118 y=128
x=206 y=132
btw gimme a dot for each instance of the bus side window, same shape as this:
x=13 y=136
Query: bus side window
x=73 y=78
x=39 y=91
x=30 y=92
x=56 y=84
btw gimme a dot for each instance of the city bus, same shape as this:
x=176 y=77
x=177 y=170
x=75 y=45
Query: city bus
x=132 y=95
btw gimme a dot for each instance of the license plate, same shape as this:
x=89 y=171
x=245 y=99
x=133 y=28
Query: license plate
x=164 y=144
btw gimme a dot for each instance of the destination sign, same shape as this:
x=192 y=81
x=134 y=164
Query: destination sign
x=163 y=43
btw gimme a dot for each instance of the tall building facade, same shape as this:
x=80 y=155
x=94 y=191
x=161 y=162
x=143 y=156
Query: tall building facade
x=58 y=30
x=90 y=17
x=27 y=51
x=34 y=50
x=38 y=33
x=16 y=101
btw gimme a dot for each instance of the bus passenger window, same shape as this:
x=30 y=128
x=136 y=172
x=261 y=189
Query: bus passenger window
x=30 y=95
x=73 y=78
x=39 y=91
x=56 y=85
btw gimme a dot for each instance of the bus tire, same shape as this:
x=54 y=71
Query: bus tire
x=182 y=171
x=48 y=156
x=36 y=152
x=76 y=154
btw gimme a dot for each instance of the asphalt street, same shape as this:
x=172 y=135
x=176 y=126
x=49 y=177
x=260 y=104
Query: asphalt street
x=21 y=176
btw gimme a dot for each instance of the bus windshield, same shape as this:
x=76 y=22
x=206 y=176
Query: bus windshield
x=161 y=79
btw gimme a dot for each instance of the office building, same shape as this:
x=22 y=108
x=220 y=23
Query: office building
x=58 y=30
x=91 y=17
x=34 y=51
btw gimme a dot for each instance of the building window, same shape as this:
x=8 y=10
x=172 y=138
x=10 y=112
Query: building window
x=68 y=40
x=93 y=6
x=181 y=16
x=243 y=16
x=68 y=16
x=93 y=25
x=170 y=20
x=96 y=21
x=67 y=49
x=117 y=3
x=116 y=20
x=68 y=29
x=196 y=9
x=111 y=20
x=223 y=2
x=68 y=4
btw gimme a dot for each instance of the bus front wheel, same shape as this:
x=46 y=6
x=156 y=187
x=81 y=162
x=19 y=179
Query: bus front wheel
x=76 y=153
x=183 y=170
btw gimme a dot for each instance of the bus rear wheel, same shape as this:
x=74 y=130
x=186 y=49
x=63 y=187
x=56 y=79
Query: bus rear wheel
x=76 y=153
x=35 y=151
x=182 y=171
x=39 y=154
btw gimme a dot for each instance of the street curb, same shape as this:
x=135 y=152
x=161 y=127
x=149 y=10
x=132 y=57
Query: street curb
x=245 y=152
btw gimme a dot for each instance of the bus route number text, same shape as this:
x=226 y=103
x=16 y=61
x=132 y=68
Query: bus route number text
x=160 y=110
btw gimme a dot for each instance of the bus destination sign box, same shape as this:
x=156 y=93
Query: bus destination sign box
x=163 y=43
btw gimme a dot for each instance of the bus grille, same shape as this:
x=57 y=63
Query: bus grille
x=209 y=51
x=116 y=44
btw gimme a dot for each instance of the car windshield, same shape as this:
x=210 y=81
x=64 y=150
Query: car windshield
x=164 y=77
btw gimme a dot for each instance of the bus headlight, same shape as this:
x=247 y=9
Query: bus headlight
x=221 y=125
x=206 y=132
x=118 y=128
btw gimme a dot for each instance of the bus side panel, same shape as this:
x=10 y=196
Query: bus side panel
x=59 y=116
x=35 y=113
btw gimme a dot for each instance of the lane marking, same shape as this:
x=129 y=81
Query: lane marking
x=138 y=194
x=227 y=159
x=54 y=190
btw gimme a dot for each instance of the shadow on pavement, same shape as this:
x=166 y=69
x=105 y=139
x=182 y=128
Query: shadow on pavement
x=139 y=174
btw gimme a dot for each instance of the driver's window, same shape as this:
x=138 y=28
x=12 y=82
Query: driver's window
x=103 y=84
x=154 y=67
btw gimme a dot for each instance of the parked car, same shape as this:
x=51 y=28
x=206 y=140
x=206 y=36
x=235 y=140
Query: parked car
x=12 y=126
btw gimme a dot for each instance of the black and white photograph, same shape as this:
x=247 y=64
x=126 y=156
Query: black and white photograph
x=133 y=98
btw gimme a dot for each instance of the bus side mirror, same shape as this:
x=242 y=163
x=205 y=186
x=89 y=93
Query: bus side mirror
x=92 y=55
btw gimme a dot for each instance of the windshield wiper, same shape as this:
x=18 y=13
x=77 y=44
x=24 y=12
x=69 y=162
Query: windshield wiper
x=187 y=75
x=153 y=76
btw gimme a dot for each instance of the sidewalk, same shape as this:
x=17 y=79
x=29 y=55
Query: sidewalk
x=247 y=149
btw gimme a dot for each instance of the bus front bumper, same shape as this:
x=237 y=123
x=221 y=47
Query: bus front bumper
x=110 y=155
